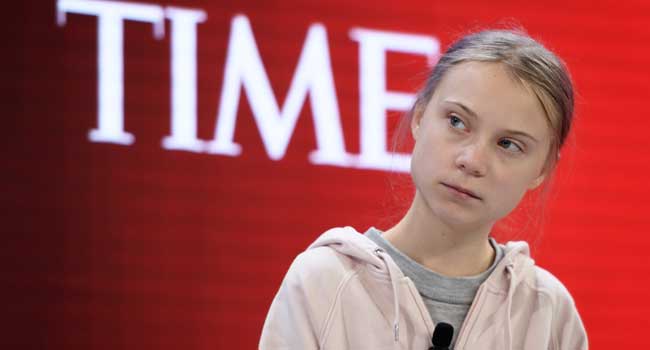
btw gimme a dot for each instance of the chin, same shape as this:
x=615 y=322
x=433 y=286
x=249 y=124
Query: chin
x=455 y=216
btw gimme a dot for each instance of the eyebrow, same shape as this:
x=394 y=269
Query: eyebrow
x=475 y=116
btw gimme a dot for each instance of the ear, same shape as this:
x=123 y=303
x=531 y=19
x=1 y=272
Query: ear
x=538 y=181
x=545 y=169
x=416 y=118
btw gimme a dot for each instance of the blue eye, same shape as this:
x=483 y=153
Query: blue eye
x=454 y=119
x=510 y=143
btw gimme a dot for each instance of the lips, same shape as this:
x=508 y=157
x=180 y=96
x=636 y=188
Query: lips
x=464 y=190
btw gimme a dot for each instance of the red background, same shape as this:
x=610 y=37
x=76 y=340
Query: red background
x=109 y=246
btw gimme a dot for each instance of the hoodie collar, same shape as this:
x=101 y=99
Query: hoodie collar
x=508 y=272
x=516 y=259
x=348 y=241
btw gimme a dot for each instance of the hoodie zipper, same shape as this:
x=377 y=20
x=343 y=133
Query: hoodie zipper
x=475 y=308
x=470 y=318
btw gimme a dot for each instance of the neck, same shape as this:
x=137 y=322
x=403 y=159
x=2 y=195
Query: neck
x=450 y=250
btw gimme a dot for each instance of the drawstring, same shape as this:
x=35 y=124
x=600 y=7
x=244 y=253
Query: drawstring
x=510 y=295
x=392 y=274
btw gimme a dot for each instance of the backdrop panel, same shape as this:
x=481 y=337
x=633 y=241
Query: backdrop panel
x=166 y=161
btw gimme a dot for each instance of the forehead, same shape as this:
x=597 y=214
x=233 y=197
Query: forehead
x=495 y=95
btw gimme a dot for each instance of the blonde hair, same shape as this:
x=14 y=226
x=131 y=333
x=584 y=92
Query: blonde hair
x=528 y=61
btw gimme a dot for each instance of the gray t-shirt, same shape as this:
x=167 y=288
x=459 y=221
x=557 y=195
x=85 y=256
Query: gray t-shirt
x=447 y=298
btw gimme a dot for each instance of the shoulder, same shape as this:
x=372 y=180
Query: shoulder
x=545 y=283
x=323 y=261
x=567 y=328
x=300 y=312
x=535 y=278
x=321 y=270
x=335 y=254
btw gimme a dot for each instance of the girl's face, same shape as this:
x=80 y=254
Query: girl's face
x=482 y=131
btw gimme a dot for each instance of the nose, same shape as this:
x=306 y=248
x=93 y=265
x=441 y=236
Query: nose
x=472 y=160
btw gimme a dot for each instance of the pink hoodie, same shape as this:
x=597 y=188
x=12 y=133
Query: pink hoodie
x=345 y=292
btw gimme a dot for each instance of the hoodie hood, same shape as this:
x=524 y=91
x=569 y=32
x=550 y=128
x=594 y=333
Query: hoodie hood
x=349 y=242
x=505 y=277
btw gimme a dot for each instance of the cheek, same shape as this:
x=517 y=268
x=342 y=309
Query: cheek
x=509 y=194
x=424 y=163
x=419 y=166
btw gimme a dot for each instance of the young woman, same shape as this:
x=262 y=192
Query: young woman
x=488 y=127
